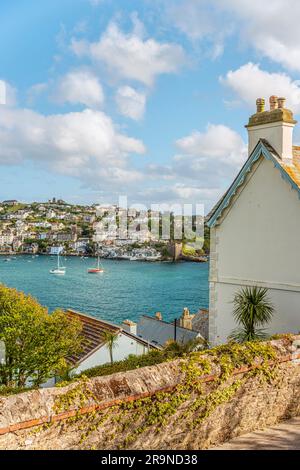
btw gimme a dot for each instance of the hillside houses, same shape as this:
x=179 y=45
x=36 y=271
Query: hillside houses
x=37 y=227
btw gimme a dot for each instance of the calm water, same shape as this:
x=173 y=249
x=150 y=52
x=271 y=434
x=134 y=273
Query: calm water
x=125 y=290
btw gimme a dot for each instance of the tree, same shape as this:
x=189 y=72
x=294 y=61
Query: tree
x=111 y=341
x=37 y=343
x=252 y=309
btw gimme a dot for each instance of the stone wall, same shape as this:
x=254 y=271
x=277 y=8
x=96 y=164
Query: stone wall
x=86 y=415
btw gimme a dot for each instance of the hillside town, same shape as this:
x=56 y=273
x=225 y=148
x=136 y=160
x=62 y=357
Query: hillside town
x=58 y=227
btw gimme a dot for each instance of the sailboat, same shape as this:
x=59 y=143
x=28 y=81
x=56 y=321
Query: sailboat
x=98 y=269
x=60 y=270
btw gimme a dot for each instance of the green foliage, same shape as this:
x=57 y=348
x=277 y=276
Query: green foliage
x=206 y=246
x=191 y=402
x=36 y=343
x=252 y=309
x=153 y=357
x=188 y=250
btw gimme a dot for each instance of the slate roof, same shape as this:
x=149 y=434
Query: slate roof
x=200 y=322
x=290 y=171
x=159 y=332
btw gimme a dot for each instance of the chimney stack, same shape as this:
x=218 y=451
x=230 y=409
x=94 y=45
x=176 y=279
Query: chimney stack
x=158 y=316
x=276 y=126
x=129 y=326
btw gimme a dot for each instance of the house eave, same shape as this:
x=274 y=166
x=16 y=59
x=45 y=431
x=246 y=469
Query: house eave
x=262 y=149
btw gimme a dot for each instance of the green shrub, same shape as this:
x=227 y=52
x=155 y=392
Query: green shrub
x=131 y=363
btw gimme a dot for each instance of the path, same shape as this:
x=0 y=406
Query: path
x=284 y=436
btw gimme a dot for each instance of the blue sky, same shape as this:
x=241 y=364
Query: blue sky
x=141 y=98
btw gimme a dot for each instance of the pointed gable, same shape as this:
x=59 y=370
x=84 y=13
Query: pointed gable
x=289 y=171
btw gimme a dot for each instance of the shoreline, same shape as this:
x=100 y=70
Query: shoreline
x=184 y=259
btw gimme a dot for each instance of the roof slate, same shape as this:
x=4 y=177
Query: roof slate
x=159 y=332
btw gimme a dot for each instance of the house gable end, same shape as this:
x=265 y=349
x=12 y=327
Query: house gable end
x=262 y=150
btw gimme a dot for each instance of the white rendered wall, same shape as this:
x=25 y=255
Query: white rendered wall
x=258 y=243
x=279 y=134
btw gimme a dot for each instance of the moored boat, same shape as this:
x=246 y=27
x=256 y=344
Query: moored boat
x=60 y=270
x=97 y=269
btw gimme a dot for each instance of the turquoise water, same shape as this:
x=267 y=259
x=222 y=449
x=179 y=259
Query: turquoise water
x=125 y=290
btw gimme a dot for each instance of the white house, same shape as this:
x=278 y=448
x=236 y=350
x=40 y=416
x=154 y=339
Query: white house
x=255 y=227
x=95 y=351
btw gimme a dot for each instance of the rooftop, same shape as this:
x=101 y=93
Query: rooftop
x=93 y=331
x=159 y=332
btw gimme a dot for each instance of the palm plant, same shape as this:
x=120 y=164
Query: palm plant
x=252 y=309
x=111 y=343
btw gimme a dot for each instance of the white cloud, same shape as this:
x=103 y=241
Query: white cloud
x=273 y=29
x=250 y=82
x=80 y=86
x=130 y=102
x=218 y=144
x=206 y=163
x=209 y=161
x=180 y=193
x=200 y=20
x=35 y=91
x=84 y=144
x=130 y=56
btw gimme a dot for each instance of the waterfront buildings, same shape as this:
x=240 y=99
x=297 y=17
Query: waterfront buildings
x=255 y=226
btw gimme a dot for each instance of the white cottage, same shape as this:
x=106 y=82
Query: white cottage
x=95 y=350
x=255 y=227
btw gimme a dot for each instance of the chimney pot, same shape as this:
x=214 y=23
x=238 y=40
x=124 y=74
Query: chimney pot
x=273 y=102
x=260 y=105
x=281 y=102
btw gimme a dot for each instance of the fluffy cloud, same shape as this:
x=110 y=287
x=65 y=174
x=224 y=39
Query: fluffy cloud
x=200 y=20
x=84 y=144
x=273 y=30
x=180 y=193
x=80 y=86
x=250 y=82
x=130 y=102
x=205 y=165
x=130 y=56
x=217 y=145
